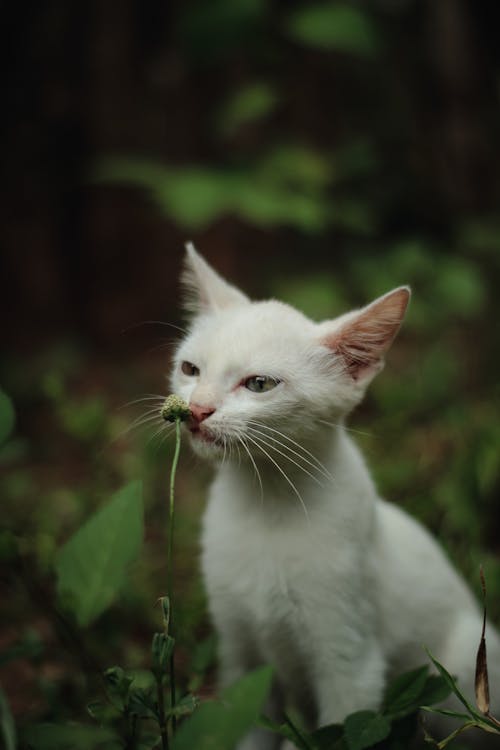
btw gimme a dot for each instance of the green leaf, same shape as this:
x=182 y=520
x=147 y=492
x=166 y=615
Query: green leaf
x=299 y=736
x=184 y=707
x=284 y=730
x=162 y=649
x=402 y=696
x=118 y=684
x=7 y=723
x=365 y=728
x=452 y=684
x=70 y=737
x=326 y=737
x=195 y=197
x=142 y=703
x=103 y=712
x=447 y=712
x=295 y=165
x=7 y=417
x=247 y=105
x=476 y=715
x=435 y=690
x=219 y=725
x=335 y=26
x=92 y=566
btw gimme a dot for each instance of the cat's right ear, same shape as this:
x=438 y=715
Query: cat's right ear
x=361 y=338
x=205 y=290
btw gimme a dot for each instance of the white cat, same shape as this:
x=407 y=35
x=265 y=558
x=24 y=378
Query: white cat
x=306 y=568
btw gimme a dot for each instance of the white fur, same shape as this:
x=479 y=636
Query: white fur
x=312 y=573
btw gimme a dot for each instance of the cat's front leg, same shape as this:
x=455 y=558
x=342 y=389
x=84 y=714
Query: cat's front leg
x=344 y=687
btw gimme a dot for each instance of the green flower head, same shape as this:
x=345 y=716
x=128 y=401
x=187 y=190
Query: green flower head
x=174 y=407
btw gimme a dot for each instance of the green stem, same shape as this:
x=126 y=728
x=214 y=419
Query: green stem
x=173 y=471
x=161 y=715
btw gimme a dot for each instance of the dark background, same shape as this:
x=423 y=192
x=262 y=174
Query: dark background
x=319 y=153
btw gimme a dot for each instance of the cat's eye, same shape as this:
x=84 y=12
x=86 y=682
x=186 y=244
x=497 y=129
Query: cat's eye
x=261 y=383
x=189 y=369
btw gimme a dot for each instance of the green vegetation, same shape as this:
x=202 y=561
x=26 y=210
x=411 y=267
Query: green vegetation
x=134 y=711
x=323 y=153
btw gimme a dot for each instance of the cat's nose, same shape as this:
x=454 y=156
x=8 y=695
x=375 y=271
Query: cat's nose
x=199 y=413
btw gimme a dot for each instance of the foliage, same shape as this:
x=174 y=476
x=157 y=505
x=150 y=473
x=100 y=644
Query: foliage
x=196 y=196
x=471 y=719
x=222 y=723
x=91 y=568
x=394 y=724
x=304 y=142
x=335 y=26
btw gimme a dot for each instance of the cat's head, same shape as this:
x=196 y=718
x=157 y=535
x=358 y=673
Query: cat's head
x=247 y=368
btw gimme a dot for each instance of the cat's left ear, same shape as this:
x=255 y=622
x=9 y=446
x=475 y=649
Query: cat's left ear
x=361 y=338
x=206 y=290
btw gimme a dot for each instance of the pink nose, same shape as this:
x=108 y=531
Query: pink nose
x=200 y=413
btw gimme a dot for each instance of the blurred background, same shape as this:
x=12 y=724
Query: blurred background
x=318 y=152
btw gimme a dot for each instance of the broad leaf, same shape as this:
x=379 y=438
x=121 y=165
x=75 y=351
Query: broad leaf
x=142 y=702
x=184 y=707
x=218 y=725
x=435 y=690
x=246 y=106
x=92 y=566
x=364 y=729
x=402 y=696
x=327 y=737
x=335 y=26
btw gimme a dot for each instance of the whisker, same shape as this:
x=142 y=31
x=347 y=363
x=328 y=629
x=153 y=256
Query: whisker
x=151 y=323
x=348 y=429
x=321 y=466
x=288 y=458
x=167 y=434
x=283 y=473
x=141 y=421
x=316 y=467
x=257 y=472
x=145 y=397
x=151 y=411
x=163 y=427
x=160 y=347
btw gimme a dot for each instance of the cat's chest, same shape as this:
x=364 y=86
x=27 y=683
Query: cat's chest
x=273 y=569
x=254 y=580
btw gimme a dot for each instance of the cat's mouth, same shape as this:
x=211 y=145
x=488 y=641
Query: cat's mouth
x=202 y=435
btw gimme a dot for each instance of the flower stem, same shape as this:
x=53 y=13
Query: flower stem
x=161 y=713
x=173 y=471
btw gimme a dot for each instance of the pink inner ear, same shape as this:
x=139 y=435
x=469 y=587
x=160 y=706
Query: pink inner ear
x=365 y=338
